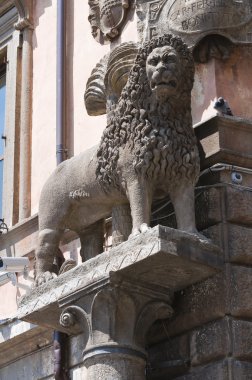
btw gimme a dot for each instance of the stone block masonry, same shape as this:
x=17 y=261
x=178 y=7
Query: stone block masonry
x=209 y=335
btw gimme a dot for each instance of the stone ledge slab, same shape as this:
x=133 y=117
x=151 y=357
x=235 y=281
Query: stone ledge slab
x=225 y=139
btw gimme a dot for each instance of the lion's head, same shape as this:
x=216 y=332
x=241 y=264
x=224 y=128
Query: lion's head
x=157 y=93
x=163 y=67
x=163 y=72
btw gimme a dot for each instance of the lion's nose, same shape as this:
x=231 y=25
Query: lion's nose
x=161 y=67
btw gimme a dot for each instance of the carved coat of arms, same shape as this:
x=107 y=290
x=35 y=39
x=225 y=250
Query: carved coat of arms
x=107 y=18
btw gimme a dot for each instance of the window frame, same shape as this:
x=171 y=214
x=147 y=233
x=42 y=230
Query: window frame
x=2 y=75
x=9 y=62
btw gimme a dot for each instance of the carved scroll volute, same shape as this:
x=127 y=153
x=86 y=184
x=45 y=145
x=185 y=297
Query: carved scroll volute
x=75 y=320
x=149 y=314
x=107 y=17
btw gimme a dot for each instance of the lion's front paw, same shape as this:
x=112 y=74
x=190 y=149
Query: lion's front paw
x=44 y=277
x=137 y=231
x=144 y=227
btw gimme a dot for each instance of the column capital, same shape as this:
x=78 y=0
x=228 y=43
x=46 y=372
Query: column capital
x=25 y=11
x=116 y=317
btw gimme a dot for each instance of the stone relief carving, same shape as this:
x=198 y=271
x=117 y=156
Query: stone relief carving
x=107 y=17
x=95 y=94
x=155 y=9
x=108 y=78
x=192 y=16
x=148 y=149
x=194 y=19
x=120 y=61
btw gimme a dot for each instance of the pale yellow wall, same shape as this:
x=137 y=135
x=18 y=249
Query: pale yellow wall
x=9 y=296
x=44 y=96
x=82 y=55
x=83 y=52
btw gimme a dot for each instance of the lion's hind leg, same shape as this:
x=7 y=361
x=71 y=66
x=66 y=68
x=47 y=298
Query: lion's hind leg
x=121 y=223
x=92 y=239
x=46 y=252
x=183 y=200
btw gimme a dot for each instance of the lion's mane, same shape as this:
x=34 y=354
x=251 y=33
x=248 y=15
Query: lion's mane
x=159 y=134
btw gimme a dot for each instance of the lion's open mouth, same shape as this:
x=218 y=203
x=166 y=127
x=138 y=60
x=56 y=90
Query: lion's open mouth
x=171 y=83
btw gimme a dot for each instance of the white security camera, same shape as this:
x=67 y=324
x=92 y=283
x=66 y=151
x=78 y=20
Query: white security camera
x=14 y=264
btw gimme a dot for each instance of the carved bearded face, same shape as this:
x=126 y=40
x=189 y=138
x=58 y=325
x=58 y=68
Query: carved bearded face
x=163 y=72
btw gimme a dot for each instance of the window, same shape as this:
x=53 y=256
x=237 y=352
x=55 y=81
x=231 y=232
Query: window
x=10 y=99
x=2 y=128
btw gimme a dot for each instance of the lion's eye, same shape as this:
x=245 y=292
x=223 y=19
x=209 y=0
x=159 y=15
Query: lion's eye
x=169 y=58
x=153 y=61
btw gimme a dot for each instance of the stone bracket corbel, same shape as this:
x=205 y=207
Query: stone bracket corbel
x=115 y=298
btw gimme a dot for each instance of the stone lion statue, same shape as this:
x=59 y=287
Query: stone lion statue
x=147 y=150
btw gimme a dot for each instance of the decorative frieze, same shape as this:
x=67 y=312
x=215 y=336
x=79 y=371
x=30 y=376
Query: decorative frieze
x=107 y=17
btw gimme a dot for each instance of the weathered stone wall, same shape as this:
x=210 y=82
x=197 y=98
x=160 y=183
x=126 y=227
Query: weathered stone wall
x=210 y=335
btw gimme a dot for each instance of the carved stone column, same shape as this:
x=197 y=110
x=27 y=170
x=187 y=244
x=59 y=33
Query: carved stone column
x=114 y=298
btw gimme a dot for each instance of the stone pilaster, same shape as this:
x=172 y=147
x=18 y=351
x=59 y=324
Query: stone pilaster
x=25 y=25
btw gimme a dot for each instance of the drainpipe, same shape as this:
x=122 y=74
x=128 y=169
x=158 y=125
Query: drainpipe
x=60 y=85
x=60 y=343
x=59 y=338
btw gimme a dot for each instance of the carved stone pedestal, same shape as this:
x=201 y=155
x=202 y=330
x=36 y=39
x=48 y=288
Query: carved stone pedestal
x=116 y=297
